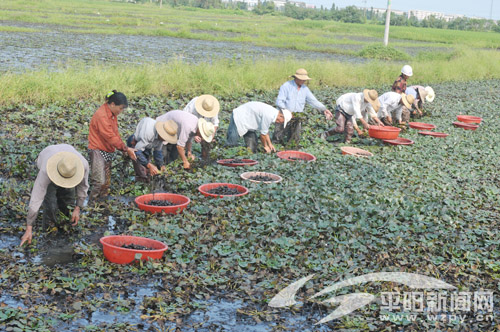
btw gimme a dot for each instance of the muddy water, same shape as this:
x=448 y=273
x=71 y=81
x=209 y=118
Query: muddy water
x=31 y=50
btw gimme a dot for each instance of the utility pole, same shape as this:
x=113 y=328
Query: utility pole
x=491 y=10
x=387 y=23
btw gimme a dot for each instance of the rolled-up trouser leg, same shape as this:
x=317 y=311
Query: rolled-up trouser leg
x=293 y=130
x=205 y=150
x=232 y=133
x=170 y=153
x=340 y=121
x=141 y=172
x=279 y=133
x=251 y=140
x=98 y=177
x=49 y=205
x=349 y=129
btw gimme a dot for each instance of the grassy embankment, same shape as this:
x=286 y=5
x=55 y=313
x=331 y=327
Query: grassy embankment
x=461 y=60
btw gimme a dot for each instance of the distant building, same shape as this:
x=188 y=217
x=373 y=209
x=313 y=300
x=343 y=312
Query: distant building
x=419 y=14
x=279 y=4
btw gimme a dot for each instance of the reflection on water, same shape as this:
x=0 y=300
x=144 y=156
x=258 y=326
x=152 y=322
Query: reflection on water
x=32 y=50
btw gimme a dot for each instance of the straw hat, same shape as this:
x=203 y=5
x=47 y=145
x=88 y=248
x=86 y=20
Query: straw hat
x=301 y=74
x=167 y=131
x=372 y=97
x=422 y=93
x=407 y=100
x=206 y=129
x=207 y=105
x=65 y=169
x=430 y=94
x=287 y=115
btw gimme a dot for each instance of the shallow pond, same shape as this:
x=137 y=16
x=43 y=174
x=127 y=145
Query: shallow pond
x=30 y=50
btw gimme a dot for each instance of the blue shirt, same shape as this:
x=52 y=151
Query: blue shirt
x=294 y=99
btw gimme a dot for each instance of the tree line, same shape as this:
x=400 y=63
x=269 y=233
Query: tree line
x=350 y=14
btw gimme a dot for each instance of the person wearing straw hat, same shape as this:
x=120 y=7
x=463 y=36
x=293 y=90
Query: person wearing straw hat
x=421 y=95
x=104 y=139
x=148 y=140
x=391 y=104
x=293 y=96
x=399 y=85
x=188 y=126
x=62 y=172
x=206 y=107
x=350 y=107
x=252 y=116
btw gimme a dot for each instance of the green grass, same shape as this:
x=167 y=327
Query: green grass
x=224 y=25
x=228 y=78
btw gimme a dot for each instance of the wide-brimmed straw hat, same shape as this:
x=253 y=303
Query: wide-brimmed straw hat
x=407 y=100
x=301 y=74
x=287 y=115
x=207 y=105
x=65 y=169
x=422 y=94
x=167 y=131
x=206 y=129
x=430 y=94
x=371 y=96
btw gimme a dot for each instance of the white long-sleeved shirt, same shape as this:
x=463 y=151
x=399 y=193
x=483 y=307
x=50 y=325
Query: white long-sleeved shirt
x=254 y=115
x=389 y=102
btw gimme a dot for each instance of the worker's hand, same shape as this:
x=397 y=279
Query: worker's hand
x=191 y=156
x=360 y=132
x=186 y=164
x=153 y=170
x=271 y=146
x=389 y=119
x=267 y=149
x=380 y=123
x=131 y=153
x=367 y=127
x=197 y=139
x=27 y=235
x=328 y=115
x=75 y=216
x=163 y=169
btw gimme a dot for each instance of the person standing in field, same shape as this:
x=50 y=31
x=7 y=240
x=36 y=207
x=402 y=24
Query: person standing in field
x=391 y=105
x=293 y=96
x=148 y=140
x=206 y=107
x=252 y=116
x=399 y=85
x=62 y=172
x=104 y=139
x=350 y=107
x=188 y=126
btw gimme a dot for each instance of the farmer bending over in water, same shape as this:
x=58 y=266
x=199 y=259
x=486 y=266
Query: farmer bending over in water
x=206 y=107
x=148 y=139
x=253 y=116
x=188 y=126
x=62 y=171
x=350 y=107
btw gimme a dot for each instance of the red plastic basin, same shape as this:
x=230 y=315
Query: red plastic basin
x=244 y=162
x=469 y=119
x=349 y=150
x=466 y=126
x=399 y=141
x=208 y=186
x=180 y=202
x=111 y=247
x=292 y=155
x=432 y=133
x=421 y=125
x=386 y=132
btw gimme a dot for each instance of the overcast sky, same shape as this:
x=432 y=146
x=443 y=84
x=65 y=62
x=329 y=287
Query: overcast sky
x=477 y=8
